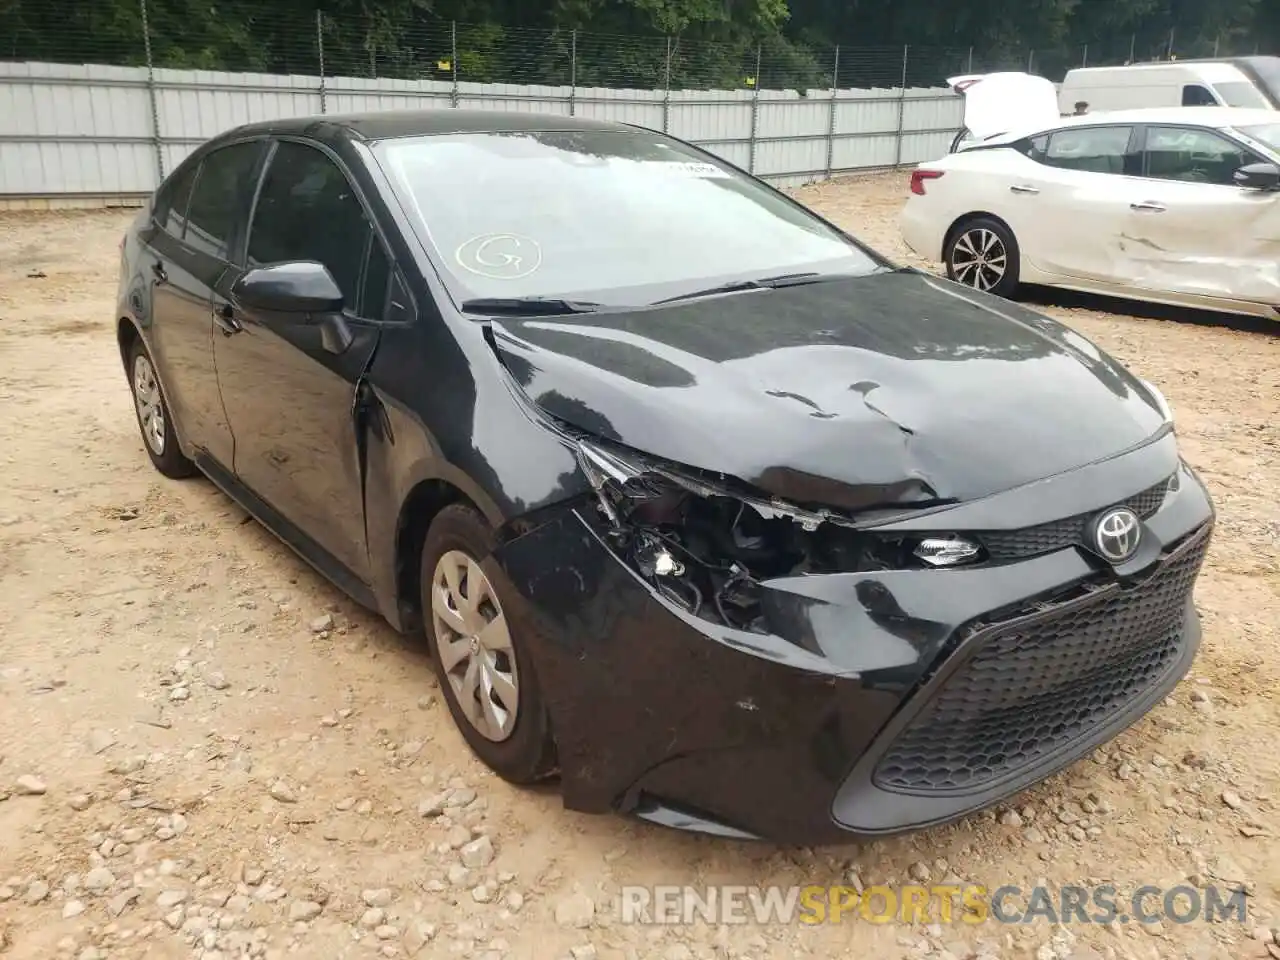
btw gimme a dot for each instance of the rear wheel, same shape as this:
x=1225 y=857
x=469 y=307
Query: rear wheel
x=480 y=654
x=982 y=253
x=154 y=420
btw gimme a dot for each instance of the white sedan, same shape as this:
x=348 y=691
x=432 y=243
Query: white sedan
x=1177 y=206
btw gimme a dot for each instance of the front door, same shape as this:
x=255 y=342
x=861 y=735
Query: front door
x=290 y=402
x=1194 y=232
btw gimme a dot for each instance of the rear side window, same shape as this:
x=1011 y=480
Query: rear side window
x=221 y=197
x=170 y=210
x=1088 y=149
x=1194 y=95
x=308 y=210
x=1192 y=155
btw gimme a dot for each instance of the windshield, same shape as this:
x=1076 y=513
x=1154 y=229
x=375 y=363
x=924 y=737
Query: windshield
x=1265 y=133
x=616 y=217
x=1241 y=94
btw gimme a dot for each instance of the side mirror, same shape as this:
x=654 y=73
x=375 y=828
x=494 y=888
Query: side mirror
x=303 y=286
x=1258 y=176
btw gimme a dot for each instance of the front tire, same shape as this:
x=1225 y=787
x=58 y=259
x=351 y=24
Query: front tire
x=154 y=419
x=982 y=253
x=480 y=654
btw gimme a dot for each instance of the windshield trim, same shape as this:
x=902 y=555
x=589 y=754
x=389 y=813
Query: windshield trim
x=458 y=291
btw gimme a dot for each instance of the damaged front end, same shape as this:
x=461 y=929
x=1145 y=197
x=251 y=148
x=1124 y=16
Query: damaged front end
x=709 y=544
x=729 y=657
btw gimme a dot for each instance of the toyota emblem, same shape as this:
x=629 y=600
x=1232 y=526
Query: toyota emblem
x=1116 y=534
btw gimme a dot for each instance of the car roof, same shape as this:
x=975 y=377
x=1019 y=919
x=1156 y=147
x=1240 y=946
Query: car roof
x=391 y=124
x=1179 y=116
x=1223 y=69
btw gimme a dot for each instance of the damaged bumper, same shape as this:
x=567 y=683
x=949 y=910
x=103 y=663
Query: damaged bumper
x=873 y=702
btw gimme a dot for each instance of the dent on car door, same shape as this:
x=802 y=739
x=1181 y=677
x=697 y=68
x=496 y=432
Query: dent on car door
x=1190 y=230
x=1079 y=212
x=187 y=251
x=290 y=400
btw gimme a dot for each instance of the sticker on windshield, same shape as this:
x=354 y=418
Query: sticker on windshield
x=500 y=256
x=691 y=169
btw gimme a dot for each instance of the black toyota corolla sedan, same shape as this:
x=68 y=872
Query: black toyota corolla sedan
x=700 y=503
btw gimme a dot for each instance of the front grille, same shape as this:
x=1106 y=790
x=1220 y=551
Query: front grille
x=1035 y=686
x=1059 y=534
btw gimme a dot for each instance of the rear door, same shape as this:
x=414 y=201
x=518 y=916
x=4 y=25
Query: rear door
x=188 y=250
x=1070 y=205
x=1191 y=230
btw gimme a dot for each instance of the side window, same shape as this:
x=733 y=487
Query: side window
x=377 y=274
x=221 y=196
x=307 y=210
x=1194 y=155
x=1091 y=150
x=1037 y=147
x=171 y=201
x=1194 y=95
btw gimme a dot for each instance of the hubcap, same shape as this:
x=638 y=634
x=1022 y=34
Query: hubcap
x=979 y=259
x=474 y=645
x=146 y=397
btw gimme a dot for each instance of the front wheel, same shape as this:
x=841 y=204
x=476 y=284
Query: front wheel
x=481 y=655
x=982 y=253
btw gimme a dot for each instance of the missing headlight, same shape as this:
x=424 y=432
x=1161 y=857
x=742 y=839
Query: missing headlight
x=709 y=551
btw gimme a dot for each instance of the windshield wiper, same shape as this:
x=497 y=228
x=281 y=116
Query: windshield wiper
x=762 y=283
x=528 y=306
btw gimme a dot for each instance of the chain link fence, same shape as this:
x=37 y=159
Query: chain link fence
x=417 y=45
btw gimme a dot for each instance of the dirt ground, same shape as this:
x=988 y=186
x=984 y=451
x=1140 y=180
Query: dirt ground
x=195 y=763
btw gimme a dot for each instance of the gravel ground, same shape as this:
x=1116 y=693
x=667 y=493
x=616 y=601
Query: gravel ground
x=208 y=752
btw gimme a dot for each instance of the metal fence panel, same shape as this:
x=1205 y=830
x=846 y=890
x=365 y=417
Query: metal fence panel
x=103 y=131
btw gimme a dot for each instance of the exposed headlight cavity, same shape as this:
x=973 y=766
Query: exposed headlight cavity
x=708 y=548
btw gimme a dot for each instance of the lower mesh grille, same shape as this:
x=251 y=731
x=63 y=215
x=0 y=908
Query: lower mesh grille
x=1032 y=689
x=1059 y=534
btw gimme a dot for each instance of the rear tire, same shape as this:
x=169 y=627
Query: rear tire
x=481 y=655
x=154 y=419
x=983 y=253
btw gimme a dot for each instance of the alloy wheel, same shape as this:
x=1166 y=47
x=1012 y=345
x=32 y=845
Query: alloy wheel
x=146 y=397
x=473 y=643
x=979 y=258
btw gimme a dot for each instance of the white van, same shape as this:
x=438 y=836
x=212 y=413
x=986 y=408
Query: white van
x=995 y=102
x=1236 y=82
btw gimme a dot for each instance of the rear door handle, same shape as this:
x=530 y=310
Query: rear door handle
x=225 y=317
x=1147 y=206
x=1023 y=188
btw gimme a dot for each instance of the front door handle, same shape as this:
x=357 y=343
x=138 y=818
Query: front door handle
x=1023 y=188
x=225 y=317
x=157 y=269
x=1147 y=206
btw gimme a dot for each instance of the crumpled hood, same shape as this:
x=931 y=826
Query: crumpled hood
x=888 y=389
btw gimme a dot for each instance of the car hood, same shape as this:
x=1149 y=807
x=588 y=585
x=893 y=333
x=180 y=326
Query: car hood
x=888 y=389
x=996 y=103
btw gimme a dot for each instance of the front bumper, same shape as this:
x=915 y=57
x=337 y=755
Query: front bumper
x=882 y=702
